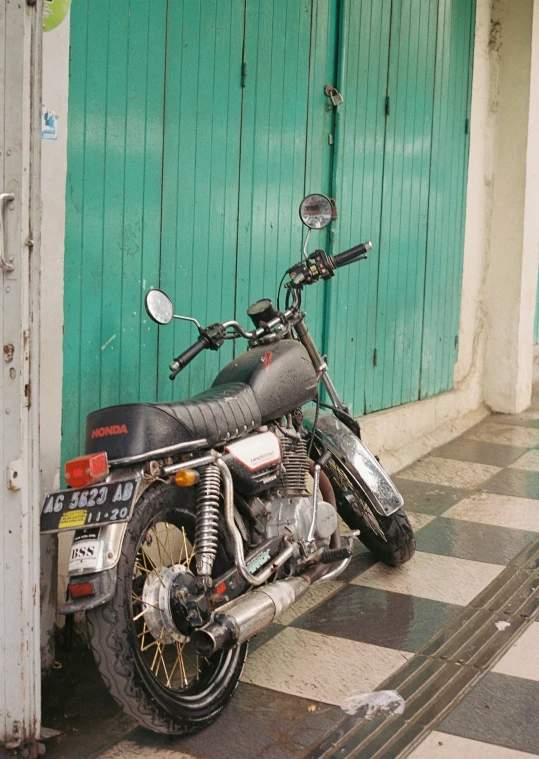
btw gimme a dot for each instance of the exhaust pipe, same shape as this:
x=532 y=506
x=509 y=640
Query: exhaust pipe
x=240 y=619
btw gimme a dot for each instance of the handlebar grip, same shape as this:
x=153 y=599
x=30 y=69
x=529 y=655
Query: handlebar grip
x=351 y=255
x=187 y=356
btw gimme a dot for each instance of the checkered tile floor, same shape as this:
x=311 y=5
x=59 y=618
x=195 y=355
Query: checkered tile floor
x=474 y=504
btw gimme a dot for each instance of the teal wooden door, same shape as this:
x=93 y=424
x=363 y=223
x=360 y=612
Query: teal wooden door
x=287 y=136
x=358 y=173
x=200 y=181
x=113 y=206
x=195 y=129
x=194 y=134
x=405 y=195
x=400 y=180
x=247 y=134
x=447 y=195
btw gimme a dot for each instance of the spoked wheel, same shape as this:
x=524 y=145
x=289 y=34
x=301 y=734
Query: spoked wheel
x=148 y=665
x=391 y=539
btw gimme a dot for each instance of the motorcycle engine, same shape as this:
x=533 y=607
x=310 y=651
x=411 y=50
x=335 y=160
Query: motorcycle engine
x=289 y=508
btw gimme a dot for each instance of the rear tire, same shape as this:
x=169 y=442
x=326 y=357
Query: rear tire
x=151 y=676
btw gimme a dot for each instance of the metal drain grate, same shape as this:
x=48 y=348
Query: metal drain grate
x=445 y=669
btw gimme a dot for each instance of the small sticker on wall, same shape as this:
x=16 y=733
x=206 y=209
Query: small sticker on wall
x=54 y=12
x=49 y=124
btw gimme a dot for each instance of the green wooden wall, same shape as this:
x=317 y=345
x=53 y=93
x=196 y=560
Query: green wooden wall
x=113 y=206
x=400 y=179
x=196 y=127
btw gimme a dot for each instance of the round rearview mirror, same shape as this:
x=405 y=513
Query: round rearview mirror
x=316 y=211
x=159 y=306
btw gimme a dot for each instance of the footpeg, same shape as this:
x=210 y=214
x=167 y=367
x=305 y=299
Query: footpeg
x=335 y=554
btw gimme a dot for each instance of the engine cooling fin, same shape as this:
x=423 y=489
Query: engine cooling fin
x=295 y=465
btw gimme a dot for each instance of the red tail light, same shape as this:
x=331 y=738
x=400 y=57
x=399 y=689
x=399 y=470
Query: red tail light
x=81 y=590
x=86 y=470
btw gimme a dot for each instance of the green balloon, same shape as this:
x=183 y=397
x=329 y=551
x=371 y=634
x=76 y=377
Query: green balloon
x=54 y=12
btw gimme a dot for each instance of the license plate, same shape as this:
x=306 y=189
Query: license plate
x=105 y=503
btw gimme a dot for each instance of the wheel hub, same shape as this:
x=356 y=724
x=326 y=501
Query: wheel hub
x=156 y=602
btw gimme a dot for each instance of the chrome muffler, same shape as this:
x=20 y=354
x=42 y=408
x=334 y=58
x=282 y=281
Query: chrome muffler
x=240 y=619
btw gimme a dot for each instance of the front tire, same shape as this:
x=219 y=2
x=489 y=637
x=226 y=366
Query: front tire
x=154 y=676
x=391 y=539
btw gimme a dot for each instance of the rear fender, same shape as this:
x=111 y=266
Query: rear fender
x=98 y=566
x=360 y=465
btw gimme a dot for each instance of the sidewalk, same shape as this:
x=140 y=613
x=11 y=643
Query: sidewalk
x=435 y=630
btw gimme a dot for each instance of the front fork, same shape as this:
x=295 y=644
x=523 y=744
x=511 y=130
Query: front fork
x=319 y=364
x=340 y=409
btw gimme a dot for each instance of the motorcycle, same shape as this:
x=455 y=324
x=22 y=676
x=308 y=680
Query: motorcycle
x=195 y=525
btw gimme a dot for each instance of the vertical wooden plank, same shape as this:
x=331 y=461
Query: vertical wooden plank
x=115 y=157
x=359 y=160
x=447 y=195
x=274 y=138
x=468 y=34
x=142 y=193
x=320 y=141
x=71 y=434
x=113 y=205
x=86 y=288
x=405 y=203
x=200 y=179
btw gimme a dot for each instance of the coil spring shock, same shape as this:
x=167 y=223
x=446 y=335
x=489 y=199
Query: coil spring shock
x=208 y=490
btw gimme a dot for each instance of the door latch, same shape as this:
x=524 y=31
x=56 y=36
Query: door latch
x=334 y=94
x=4 y=198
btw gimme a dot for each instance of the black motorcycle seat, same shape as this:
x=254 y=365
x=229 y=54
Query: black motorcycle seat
x=217 y=414
x=223 y=412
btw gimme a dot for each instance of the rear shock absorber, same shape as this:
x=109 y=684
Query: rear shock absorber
x=206 y=533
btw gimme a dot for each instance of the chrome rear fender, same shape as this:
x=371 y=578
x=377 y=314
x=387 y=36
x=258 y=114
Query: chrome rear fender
x=109 y=541
x=361 y=466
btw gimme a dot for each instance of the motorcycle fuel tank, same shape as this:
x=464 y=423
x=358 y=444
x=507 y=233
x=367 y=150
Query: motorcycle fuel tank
x=280 y=374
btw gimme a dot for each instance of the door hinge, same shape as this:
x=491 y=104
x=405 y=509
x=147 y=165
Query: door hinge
x=243 y=73
x=467 y=126
x=375 y=357
x=456 y=342
x=388 y=105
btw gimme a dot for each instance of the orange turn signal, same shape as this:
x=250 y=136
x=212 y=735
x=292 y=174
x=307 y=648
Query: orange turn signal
x=186 y=478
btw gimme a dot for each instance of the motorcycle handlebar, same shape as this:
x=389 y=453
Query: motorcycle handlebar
x=214 y=336
x=351 y=256
x=187 y=356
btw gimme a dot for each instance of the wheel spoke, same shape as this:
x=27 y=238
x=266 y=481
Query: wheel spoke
x=163 y=662
x=155 y=658
x=172 y=672
x=151 y=606
x=172 y=662
x=160 y=545
x=169 y=529
x=182 y=664
x=154 y=568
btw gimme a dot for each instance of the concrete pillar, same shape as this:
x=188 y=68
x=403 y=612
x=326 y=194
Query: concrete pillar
x=511 y=280
x=53 y=175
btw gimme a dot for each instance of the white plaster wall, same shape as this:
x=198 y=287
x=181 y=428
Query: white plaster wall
x=53 y=179
x=513 y=254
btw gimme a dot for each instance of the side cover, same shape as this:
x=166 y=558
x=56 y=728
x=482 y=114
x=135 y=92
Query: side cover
x=359 y=462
